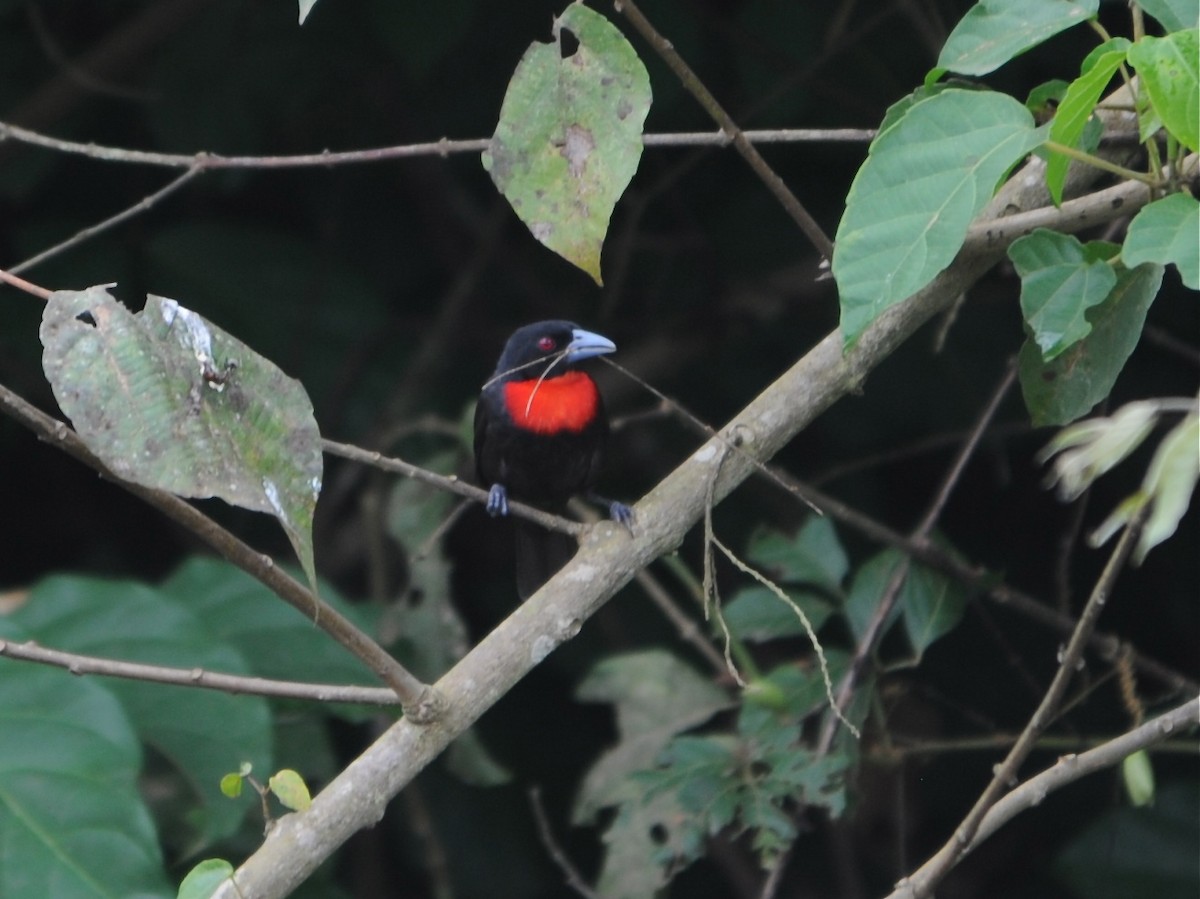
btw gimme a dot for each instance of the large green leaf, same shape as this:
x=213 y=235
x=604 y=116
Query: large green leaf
x=276 y=640
x=168 y=400
x=570 y=135
x=912 y=201
x=204 y=733
x=1167 y=232
x=72 y=824
x=1128 y=852
x=1175 y=15
x=656 y=697
x=1169 y=69
x=1061 y=279
x=1077 y=106
x=994 y=31
x=1062 y=390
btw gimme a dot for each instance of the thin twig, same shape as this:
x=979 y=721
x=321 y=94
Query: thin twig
x=450 y=484
x=728 y=126
x=928 y=553
x=77 y=663
x=574 y=879
x=443 y=147
x=875 y=627
x=923 y=882
x=142 y=205
x=1068 y=769
x=418 y=700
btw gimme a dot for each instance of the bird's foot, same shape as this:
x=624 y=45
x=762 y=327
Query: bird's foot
x=621 y=514
x=497 y=501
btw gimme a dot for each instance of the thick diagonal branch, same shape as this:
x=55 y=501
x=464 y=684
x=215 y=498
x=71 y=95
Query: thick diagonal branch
x=610 y=557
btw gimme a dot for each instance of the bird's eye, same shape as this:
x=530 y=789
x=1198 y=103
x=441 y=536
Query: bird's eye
x=546 y=344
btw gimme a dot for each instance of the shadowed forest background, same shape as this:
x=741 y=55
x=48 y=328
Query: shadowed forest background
x=388 y=290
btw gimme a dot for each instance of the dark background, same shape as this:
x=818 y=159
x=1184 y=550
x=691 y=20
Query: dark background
x=388 y=290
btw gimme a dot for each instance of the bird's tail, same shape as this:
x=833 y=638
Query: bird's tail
x=540 y=554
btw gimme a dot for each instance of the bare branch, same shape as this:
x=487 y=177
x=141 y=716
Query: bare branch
x=417 y=699
x=931 y=873
x=1068 y=769
x=696 y=88
x=609 y=558
x=450 y=484
x=142 y=205
x=197 y=677
x=444 y=147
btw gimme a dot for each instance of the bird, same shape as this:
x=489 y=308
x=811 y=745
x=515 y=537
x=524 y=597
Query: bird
x=540 y=435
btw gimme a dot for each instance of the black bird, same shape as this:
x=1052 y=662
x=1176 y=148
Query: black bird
x=540 y=431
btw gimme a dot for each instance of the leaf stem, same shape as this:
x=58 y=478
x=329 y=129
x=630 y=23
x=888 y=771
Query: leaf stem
x=1103 y=164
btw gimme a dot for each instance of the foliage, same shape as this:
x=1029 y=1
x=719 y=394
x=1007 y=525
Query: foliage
x=110 y=789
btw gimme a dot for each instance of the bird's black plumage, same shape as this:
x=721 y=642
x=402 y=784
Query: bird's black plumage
x=540 y=433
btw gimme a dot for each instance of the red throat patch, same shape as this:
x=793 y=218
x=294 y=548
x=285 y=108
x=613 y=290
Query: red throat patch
x=565 y=403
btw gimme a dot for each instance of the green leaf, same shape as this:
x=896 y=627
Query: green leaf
x=1167 y=232
x=72 y=823
x=1044 y=99
x=656 y=697
x=1077 y=106
x=912 y=201
x=570 y=135
x=866 y=590
x=231 y=785
x=305 y=8
x=290 y=789
x=1148 y=851
x=1170 y=482
x=1138 y=776
x=202 y=881
x=202 y=732
x=1169 y=69
x=796 y=691
x=813 y=556
x=635 y=867
x=1066 y=388
x=932 y=605
x=756 y=614
x=1089 y=448
x=1061 y=279
x=994 y=31
x=170 y=401
x=1175 y=15
x=276 y=640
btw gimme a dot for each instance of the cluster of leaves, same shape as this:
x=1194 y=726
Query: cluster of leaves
x=75 y=771
x=693 y=761
x=753 y=771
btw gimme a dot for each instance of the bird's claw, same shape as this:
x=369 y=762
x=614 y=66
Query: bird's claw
x=497 y=501
x=621 y=514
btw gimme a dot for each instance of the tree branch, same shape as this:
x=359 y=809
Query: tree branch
x=443 y=147
x=694 y=86
x=610 y=557
x=417 y=699
x=931 y=873
x=197 y=677
x=1068 y=769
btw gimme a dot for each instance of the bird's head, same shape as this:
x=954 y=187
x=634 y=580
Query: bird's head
x=547 y=349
